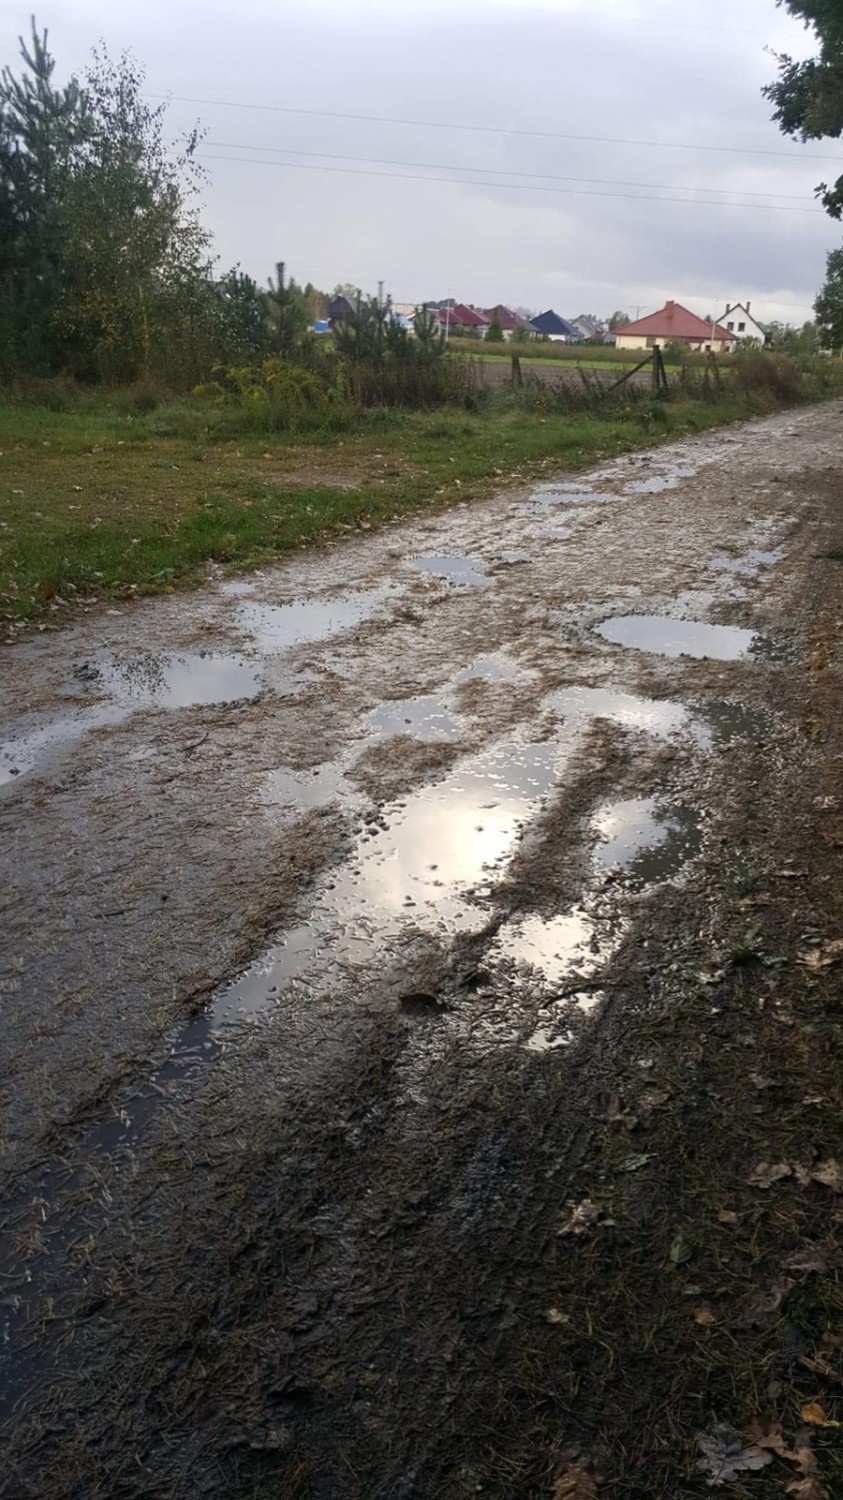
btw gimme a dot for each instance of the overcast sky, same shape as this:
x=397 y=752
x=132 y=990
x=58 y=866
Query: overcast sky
x=335 y=207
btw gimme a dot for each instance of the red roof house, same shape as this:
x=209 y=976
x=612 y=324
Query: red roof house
x=508 y=320
x=673 y=321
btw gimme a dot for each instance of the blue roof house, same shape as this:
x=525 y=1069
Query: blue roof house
x=551 y=326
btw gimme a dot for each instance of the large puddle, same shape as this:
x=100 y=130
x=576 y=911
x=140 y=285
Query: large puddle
x=168 y=680
x=666 y=636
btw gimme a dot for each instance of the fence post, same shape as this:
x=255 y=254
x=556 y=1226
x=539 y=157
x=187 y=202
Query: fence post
x=517 y=377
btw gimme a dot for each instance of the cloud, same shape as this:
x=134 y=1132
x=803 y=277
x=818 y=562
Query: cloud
x=540 y=77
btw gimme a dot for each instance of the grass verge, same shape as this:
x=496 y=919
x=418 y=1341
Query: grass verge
x=102 y=502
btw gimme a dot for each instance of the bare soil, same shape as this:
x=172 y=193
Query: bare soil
x=422 y=1071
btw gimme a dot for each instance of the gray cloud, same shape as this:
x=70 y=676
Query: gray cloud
x=516 y=67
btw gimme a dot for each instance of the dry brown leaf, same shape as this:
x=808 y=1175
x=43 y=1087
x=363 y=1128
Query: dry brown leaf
x=725 y=1216
x=809 y=1259
x=830 y=1174
x=823 y=957
x=704 y=1316
x=766 y=1173
x=813 y=1413
x=581 y=1217
x=575 y=1484
x=808 y=1488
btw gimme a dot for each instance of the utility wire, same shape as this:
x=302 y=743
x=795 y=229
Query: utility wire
x=550 y=135
x=439 y=166
x=522 y=187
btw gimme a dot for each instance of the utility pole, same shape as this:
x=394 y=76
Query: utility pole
x=380 y=296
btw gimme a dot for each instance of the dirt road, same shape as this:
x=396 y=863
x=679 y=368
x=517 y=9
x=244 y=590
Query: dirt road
x=373 y=923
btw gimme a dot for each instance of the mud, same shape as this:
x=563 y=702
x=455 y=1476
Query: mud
x=341 y=898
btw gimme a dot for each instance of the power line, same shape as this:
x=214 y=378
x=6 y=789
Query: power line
x=550 y=135
x=522 y=187
x=439 y=166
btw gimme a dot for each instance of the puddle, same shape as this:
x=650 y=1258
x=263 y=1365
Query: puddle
x=173 y=680
x=546 y=496
x=305 y=790
x=235 y=588
x=148 y=680
x=497 y=667
x=456 y=569
x=730 y=721
x=666 y=636
x=644 y=839
x=647 y=843
x=559 y=948
x=749 y=562
x=32 y=748
x=425 y=718
x=658 y=717
x=275 y=627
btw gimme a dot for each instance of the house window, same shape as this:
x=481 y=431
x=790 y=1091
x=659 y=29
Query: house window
x=731 y=327
x=741 y=327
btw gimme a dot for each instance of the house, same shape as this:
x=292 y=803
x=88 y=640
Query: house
x=551 y=326
x=739 y=321
x=339 y=308
x=459 y=318
x=673 y=321
x=589 y=327
x=508 y=320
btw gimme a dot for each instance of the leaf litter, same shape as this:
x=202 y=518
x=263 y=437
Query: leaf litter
x=725 y=1455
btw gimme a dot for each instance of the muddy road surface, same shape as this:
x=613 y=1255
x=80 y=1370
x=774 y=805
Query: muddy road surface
x=391 y=938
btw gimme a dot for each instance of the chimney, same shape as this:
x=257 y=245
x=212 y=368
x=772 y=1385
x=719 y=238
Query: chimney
x=670 y=304
x=748 y=306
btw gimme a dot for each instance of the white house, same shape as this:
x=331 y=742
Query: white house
x=741 y=324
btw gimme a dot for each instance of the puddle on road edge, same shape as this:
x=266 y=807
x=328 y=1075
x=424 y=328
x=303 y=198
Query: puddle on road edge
x=166 y=680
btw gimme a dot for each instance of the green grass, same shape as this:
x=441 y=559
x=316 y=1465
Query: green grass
x=101 y=502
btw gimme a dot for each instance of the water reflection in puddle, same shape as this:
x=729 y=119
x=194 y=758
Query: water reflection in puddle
x=646 y=840
x=175 y=680
x=730 y=721
x=425 y=718
x=275 y=627
x=455 y=569
x=666 y=636
x=749 y=562
x=149 y=679
x=658 y=717
x=496 y=667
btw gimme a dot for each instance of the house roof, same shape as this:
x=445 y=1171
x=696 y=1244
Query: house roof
x=673 y=321
x=741 y=307
x=550 y=322
x=462 y=316
x=339 y=308
x=507 y=318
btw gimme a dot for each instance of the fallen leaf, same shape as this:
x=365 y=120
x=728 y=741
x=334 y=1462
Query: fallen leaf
x=704 y=1316
x=681 y=1250
x=583 y=1216
x=823 y=957
x=808 y=1488
x=830 y=1174
x=576 y=1484
x=766 y=1173
x=725 y=1455
x=813 y=1413
x=725 y=1216
x=809 y=1260
x=553 y=1315
x=759 y=1309
x=636 y=1162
